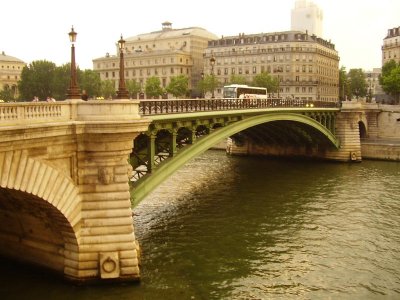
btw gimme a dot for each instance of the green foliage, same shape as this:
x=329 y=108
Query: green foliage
x=390 y=79
x=237 y=79
x=43 y=78
x=37 y=80
x=107 y=88
x=7 y=95
x=201 y=87
x=61 y=81
x=387 y=68
x=343 y=84
x=90 y=81
x=133 y=87
x=153 y=87
x=267 y=81
x=357 y=83
x=178 y=86
x=209 y=83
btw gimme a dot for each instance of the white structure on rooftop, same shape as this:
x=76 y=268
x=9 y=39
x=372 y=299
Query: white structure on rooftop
x=307 y=17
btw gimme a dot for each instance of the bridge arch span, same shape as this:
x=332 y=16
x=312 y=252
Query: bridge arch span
x=148 y=183
x=39 y=209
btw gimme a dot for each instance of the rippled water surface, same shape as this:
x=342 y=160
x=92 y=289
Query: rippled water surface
x=251 y=228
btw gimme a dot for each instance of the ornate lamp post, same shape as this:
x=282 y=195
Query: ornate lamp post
x=212 y=63
x=73 y=91
x=122 y=92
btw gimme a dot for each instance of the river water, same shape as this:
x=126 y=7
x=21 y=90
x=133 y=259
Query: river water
x=228 y=227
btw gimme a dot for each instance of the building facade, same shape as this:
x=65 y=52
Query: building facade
x=374 y=88
x=307 y=17
x=391 y=46
x=163 y=54
x=10 y=73
x=307 y=67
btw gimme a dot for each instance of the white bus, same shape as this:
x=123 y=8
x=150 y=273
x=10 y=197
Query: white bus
x=244 y=91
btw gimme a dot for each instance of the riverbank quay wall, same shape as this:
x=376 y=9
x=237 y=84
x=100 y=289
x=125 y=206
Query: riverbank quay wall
x=64 y=187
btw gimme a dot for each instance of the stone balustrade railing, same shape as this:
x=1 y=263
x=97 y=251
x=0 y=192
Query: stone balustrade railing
x=29 y=113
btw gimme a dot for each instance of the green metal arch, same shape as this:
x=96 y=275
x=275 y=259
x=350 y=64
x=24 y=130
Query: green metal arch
x=160 y=174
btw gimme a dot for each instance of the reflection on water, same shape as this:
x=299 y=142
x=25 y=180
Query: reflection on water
x=250 y=228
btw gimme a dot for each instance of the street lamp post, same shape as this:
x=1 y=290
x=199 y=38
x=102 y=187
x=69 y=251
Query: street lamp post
x=212 y=63
x=73 y=91
x=370 y=87
x=279 y=80
x=202 y=84
x=122 y=92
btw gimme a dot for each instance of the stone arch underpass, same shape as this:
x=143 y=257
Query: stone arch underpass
x=146 y=184
x=39 y=209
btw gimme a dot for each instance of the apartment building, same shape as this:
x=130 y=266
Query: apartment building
x=165 y=53
x=10 y=72
x=391 y=46
x=306 y=66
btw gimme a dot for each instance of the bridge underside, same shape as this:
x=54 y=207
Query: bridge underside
x=280 y=138
x=32 y=230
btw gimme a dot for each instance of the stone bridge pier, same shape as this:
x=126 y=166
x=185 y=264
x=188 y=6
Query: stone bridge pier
x=64 y=187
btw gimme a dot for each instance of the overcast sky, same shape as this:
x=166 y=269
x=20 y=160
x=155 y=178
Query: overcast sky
x=38 y=29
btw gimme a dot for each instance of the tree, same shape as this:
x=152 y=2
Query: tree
x=267 y=81
x=387 y=69
x=201 y=86
x=357 y=83
x=60 y=82
x=210 y=83
x=343 y=84
x=178 y=86
x=153 y=87
x=133 y=87
x=37 y=80
x=237 y=79
x=7 y=94
x=390 y=79
x=107 y=88
x=89 y=81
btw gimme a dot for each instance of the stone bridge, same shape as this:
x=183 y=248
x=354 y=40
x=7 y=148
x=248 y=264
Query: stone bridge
x=64 y=196
x=65 y=200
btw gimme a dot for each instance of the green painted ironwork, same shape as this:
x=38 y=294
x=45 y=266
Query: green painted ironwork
x=182 y=136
